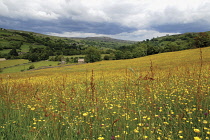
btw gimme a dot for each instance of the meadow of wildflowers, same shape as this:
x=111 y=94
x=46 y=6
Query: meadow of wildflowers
x=143 y=98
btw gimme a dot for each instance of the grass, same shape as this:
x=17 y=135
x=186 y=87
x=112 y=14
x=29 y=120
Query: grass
x=82 y=56
x=25 y=67
x=9 y=63
x=5 y=33
x=4 y=43
x=5 y=51
x=25 y=47
x=164 y=96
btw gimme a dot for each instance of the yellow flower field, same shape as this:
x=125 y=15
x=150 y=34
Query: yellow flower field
x=163 y=96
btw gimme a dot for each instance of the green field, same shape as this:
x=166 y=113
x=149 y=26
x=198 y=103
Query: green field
x=24 y=67
x=82 y=56
x=14 y=62
x=5 y=51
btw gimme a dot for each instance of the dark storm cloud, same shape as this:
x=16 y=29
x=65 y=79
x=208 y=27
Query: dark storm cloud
x=183 y=28
x=63 y=26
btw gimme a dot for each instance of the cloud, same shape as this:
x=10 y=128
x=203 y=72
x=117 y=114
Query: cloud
x=140 y=35
x=76 y=34
x=29 y=9
x=134 y=36
x=138 y=13
x=109 y=17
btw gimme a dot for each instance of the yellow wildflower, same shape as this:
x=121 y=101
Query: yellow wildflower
x=197 y=130
x=117 y=136
x=33 y=108
x=197 y=138
x=100 y=138
x=205 y=121
x=136 y=131
x=125 y=132
x=180 y=132
x=85 y=114
x=181 y=137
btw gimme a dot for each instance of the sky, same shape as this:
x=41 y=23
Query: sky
x=135 y=20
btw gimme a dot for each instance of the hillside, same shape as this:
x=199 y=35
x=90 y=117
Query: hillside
x=109 y=39
x=12 y=38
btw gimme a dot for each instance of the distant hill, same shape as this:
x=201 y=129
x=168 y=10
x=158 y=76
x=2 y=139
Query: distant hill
x=22 y=40
x=109 y=39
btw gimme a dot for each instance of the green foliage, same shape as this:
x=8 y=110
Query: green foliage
x=75 y=59
x=118 y=55
x=1 y=47
x=139 y=52
x=59 y=58
x=67 y=60
x=28 y=43
x=202 y=40
x=13 y=52
x=106 y=57
x=33 y=57
x=128 y=55
x=16 y=44
x=92 y=55
x=31 y=67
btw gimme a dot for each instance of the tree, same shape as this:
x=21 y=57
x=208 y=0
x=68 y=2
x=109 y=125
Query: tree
x=202 y=40
x=13 y=52
x=59 y=57
x=75 y=59
x=31 y=67
x=43 y=56
x=67 y=60
x=33 y=57
x=1 y=46
x=118 y=55
x=92 y=55
x=128 y=55
x=106 y=57
x=171 y=46
x=16 y=44
x=139 y=52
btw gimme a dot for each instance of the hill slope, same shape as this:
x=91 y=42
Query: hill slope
x=25 y=37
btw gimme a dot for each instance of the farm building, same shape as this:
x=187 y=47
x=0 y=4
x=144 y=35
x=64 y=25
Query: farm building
x=81 y=60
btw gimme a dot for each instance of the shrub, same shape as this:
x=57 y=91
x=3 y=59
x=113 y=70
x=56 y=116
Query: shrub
x=106 y=57
x=31 y=67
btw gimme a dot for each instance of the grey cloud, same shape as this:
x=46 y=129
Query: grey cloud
x=106 y=16
x=132 y=13
x=64 y=25
x=200 y=26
